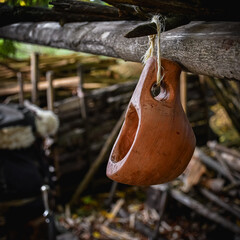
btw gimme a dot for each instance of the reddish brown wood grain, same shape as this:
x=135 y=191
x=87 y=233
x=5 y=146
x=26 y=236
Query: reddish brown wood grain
x=156 y=141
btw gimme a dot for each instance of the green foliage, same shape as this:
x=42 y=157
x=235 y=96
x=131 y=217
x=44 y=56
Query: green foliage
x=222 y=125
x=7 y=48
x=39 y=2
x=43 y=3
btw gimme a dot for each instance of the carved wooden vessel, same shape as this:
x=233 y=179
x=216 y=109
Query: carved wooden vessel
x=156 y=141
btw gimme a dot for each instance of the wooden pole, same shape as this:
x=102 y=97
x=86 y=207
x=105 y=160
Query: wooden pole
x=83 y=109
x=50 y=94
x=34 y=76
x=183 y=90
x=80 y=92
x=20 y=84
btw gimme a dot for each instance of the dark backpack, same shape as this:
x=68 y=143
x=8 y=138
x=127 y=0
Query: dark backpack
x=22 y=171
x=16 y=115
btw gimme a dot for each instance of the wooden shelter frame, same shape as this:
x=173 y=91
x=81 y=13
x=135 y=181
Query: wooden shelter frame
x=204 y=38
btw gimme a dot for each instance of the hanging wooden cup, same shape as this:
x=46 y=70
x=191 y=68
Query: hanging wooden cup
x=156 y=141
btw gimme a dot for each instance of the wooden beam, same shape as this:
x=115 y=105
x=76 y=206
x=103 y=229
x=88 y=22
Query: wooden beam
x=68 y=82
x=207 y=48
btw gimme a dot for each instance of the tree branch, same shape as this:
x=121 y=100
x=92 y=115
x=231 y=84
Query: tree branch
x=63 y=12
x=196 y=10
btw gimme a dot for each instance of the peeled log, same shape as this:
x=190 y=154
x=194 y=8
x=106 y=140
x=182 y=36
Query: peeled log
x=207 y=48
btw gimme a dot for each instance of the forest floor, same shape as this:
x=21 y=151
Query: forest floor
x=202 y=203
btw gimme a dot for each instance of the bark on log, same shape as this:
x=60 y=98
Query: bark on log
x=92 y=10
x=208 y=48
x=78 y=11
x=74 y=11
x=197 y=10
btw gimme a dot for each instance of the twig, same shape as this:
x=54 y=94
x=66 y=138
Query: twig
x=204 y=211
x=209 y=161
x=225 y=167
x=215 y=146
x=139 y=226
x=161 y=209
x=219 y=202
x=112 y=193
x=231 y=186
x=232 y=162
x=114 y=211
x=114 y=234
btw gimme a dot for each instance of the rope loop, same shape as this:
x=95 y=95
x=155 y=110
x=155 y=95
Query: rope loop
x=160 y=24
